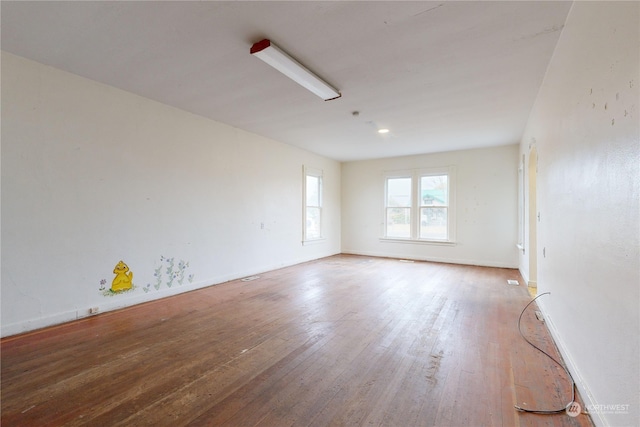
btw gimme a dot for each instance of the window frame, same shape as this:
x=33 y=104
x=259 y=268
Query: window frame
x=417 y=205
x=398 y=175
x=316 y=173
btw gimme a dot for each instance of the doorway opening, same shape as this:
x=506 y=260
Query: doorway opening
x=533 y=218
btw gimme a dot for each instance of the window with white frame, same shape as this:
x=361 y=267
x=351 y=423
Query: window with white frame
x=398 y=207
x=419 y=205
x=312 y=221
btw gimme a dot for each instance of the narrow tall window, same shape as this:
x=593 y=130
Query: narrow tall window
x=434 y=207
x=313 y=204
x=398 y=208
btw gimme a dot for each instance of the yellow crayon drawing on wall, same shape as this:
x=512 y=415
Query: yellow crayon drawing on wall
x=167 y=273
x=123 y=279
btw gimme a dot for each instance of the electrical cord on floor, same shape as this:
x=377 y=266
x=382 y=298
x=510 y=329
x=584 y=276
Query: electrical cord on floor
x=573 y=384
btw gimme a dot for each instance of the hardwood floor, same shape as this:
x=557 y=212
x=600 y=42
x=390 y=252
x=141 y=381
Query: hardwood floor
x=344 y=340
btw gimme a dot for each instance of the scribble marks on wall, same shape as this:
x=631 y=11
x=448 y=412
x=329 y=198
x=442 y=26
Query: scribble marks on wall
x=169 y=273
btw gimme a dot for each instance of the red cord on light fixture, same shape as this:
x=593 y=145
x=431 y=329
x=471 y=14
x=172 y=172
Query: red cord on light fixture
x=281 y=61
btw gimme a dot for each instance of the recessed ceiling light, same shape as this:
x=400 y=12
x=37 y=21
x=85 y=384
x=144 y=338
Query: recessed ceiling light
x=383 y=130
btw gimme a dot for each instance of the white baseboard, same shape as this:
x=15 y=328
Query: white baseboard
x=104 y=306
x=124 y=301
x=482 y=263
x=583 y=389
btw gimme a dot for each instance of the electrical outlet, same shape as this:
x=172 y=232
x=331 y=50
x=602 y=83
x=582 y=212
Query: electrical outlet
x=94 y=310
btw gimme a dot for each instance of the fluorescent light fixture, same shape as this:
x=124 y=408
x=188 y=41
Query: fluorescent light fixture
x=383 y=130
x=278 y=59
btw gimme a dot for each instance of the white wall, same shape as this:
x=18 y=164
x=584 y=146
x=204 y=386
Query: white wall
x=585 y=127
x=92 y=175
x=486 y=207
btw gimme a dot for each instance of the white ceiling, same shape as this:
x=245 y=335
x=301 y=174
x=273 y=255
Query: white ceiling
x=441 y=75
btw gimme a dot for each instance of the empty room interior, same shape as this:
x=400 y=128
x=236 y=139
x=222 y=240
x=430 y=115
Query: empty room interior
x=320 y=213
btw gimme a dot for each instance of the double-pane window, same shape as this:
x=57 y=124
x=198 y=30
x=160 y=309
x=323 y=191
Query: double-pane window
x=418 y=205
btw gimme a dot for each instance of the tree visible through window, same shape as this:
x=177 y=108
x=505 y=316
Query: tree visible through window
x=434 y=207
x=418 y=205
x=398 y=210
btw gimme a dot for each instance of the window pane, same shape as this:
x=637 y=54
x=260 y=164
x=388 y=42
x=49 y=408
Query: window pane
x=399 y=222
x=433 y=223
x=313 y=190
x=434 y=190
x=398 y=192
x=313 y=223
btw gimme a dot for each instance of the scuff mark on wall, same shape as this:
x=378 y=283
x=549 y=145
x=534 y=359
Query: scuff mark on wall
x=621 y=109
x=21 y=291
x=548 y=30
x=429 y=10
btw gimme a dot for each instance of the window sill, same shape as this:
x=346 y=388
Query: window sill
x=314 y=241
x=418 y=242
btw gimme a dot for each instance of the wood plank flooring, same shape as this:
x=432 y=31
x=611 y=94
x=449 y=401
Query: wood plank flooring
x=341 y=341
